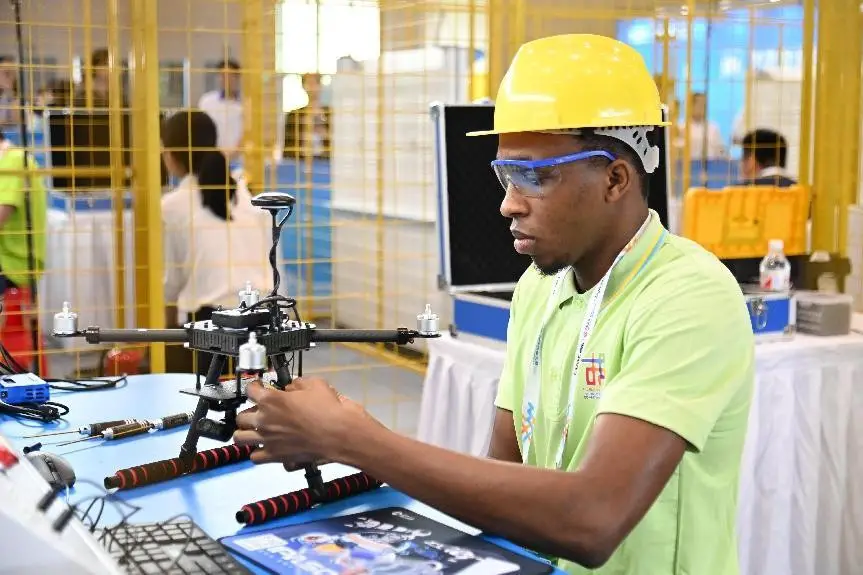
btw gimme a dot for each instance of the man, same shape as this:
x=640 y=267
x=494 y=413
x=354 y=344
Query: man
x=16 y=269
x=653 y=422
x=226 y=109
x=9 y=113
x=100 y=82
x=705 y=139
x=765 y=154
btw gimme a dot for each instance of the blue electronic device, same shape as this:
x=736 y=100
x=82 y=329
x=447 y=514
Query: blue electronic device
x=23 y=388
x=772 y=314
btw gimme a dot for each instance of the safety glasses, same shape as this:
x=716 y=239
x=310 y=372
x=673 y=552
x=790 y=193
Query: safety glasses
x=535 y=177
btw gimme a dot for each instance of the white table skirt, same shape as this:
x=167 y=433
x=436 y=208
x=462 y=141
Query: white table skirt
x=79 y=268
x=801 y=491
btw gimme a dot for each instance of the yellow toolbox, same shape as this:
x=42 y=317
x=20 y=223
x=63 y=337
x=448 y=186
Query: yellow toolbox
x=738 y=221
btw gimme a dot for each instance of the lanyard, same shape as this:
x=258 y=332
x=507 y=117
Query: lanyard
x=531 y=396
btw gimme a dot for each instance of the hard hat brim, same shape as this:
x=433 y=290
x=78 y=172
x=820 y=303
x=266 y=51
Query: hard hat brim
x=498 y=132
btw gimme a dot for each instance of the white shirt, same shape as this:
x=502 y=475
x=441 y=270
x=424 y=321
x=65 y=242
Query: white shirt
x=228 y=117
x=775 y=171
x=715 y=145
x=207 y=259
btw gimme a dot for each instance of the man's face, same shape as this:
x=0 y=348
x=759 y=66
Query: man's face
x=559 y=227
x=748 y=166
x=699 y=108
x=230 y=80
x=7 y=75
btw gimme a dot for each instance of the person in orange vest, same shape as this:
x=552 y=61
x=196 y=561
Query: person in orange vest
x=20 y=256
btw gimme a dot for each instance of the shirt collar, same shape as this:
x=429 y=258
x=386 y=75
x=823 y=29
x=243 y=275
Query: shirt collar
x=772 y=172
x=625 y=269
x=224 y=96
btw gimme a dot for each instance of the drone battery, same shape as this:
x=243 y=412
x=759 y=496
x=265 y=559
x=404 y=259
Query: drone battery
x=240 y=319
x=23 y=388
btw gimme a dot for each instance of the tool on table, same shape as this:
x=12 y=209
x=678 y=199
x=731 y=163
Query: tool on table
x=89 y=430
x=138 y=428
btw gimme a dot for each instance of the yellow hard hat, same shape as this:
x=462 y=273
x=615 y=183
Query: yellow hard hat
x=575 y=81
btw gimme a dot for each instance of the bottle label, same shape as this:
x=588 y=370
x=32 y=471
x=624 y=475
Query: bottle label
x=776 y=280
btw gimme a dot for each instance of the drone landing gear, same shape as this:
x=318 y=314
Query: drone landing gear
x=228 y=397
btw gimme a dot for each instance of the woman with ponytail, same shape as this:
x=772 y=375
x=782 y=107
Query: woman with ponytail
x=215 y=241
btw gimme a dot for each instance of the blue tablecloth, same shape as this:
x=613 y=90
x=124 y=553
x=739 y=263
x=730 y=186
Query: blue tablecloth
x=211 y=498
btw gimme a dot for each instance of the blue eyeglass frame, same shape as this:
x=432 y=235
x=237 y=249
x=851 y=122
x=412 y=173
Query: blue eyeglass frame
x=555 y=161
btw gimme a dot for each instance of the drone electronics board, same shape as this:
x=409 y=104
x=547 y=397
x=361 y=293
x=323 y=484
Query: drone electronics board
x=394 y=541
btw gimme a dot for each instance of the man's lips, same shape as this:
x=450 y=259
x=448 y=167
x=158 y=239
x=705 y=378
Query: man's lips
x=523 y=243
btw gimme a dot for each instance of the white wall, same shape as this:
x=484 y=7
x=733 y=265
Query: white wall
x=412 y=80
x=424 y=75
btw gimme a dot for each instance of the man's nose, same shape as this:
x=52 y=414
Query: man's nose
x=514 y=204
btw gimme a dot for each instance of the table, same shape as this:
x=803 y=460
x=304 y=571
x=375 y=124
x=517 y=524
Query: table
x=79 y=263
x=801 y=496
x=211 y=498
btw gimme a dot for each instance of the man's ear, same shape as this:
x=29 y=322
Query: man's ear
x=621 y=176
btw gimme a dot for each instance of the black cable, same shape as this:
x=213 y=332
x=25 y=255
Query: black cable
x=109 y=538
x=12 y=367
x=277 y=234
x=25 y=144
x=288 y=301
x=47 y=412
x=10 y=363
x=84 y=384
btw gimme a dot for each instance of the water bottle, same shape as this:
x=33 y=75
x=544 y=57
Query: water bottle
x=775 y=269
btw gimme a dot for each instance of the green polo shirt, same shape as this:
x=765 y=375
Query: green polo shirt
x=13 y=233
x=673 y=346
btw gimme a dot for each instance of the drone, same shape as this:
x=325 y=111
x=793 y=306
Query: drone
x=257 y=332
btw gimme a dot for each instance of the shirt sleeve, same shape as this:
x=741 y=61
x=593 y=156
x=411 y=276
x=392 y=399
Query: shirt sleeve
x=12 y=186
x=203 y=101
x=688 y=351
x=506 y=387
x=716 y=142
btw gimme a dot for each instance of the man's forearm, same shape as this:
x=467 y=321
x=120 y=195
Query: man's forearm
x=536 y=508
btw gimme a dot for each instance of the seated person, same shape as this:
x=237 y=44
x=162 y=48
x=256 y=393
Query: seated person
x=214 y=239
x=17 y=265
x=765 y=154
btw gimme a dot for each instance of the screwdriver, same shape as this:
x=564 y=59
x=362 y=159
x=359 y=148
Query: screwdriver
x=89 y=430
x=138 y=428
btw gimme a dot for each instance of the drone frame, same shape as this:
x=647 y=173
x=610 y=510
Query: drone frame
x=263 y=323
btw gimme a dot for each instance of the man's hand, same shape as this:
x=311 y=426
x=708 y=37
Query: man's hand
x=309 y=421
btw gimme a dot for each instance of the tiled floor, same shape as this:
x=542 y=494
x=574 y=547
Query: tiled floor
x=390 y=393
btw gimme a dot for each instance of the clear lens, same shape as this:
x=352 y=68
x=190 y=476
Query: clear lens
x=527 y=180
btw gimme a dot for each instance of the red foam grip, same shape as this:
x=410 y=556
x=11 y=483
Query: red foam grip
x=171 y=468
x=296 y=501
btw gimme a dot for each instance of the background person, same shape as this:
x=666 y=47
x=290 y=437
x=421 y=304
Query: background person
x=207 y=220
x=765 y=155
x=225 y=108
x=18 y=318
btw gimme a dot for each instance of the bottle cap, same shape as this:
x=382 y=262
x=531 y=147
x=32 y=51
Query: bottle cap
x=776 y=245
